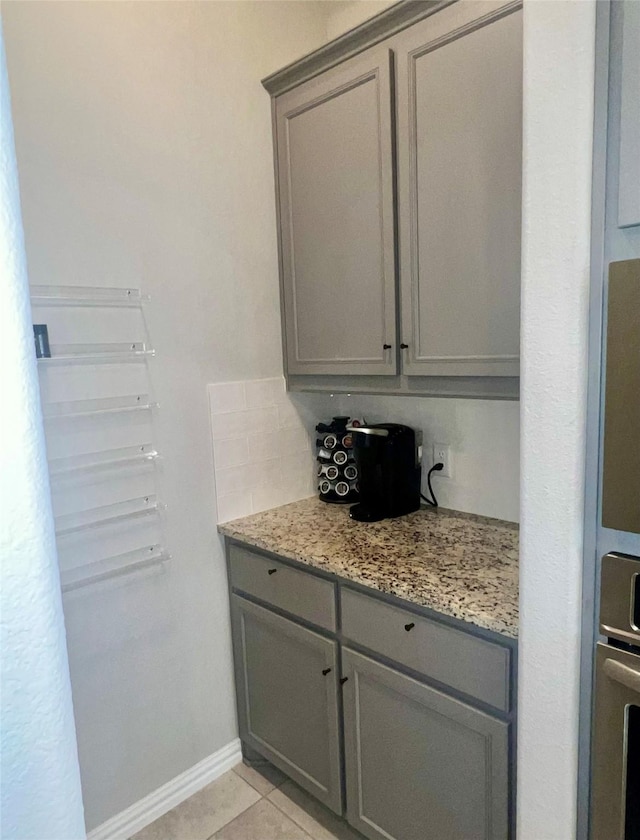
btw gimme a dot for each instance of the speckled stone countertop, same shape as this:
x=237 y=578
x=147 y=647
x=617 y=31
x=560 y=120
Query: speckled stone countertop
x=457 y=564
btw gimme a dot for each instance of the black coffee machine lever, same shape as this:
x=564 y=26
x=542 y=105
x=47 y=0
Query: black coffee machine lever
x=378 y=431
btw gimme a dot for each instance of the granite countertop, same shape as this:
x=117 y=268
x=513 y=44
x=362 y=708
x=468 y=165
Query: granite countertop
x=457 y=564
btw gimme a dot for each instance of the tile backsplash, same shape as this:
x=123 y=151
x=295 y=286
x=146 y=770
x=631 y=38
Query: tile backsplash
x=262 y=446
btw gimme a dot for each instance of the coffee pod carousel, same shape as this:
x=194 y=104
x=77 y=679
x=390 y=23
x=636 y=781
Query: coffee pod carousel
x=337 y=472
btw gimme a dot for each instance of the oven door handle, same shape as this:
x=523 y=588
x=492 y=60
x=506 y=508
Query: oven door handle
x=628 y=677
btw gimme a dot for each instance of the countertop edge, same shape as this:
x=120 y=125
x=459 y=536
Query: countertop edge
x=492 y=626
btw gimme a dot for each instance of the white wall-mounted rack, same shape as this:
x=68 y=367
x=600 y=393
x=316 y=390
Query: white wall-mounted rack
x=103 y=405
x=97 y=354
x=112 y=567
x=115 y=447
x=99 y=517
x=106 y=459
x=86 y=296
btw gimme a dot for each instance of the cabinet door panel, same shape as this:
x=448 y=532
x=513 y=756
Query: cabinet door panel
x=287 y=706
x=336 y=219
x=459 y=152
x=419 y=764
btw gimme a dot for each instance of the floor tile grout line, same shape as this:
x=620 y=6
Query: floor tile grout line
x=283 y=782
x=263 y=795
x=289 y=816
x=307 y=836
x=244 y=810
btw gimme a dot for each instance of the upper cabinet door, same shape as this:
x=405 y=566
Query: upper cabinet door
x=459 y=89
x=335 y=179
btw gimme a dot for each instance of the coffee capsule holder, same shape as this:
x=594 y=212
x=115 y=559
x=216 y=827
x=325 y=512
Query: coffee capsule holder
x=337 y=472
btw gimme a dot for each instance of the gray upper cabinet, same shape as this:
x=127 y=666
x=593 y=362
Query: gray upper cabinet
x=399 y=145
x=459 y=103
x=420 y=765
x=335 y=192
x=287 y=692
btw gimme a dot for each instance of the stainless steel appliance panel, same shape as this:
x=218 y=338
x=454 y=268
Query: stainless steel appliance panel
x=616 y=735
x=616 y=754
x=620 y=598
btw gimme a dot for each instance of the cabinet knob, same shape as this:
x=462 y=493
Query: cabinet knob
x=272 y=571
x=404 y=346
x=326 y=671
x=386 y=347
x=409 y=626
x=343 y=680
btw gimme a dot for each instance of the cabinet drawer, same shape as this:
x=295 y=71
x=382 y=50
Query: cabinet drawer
x=299 y=593
x=466 y=663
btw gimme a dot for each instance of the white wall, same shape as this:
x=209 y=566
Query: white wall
x=144 y=148
x=345 y=14
x=558 y=129
x=40 y=775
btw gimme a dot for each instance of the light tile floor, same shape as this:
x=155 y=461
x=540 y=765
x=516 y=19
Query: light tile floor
x=245 y=804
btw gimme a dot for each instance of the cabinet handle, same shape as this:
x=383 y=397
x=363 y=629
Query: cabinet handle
x=409 y=626
x=326 y=671
x=620 y=673
x=404 y=346
x=386 y=347
x=272 y=571
x=343 y=680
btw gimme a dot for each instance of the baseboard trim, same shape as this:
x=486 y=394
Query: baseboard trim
x=149 y=808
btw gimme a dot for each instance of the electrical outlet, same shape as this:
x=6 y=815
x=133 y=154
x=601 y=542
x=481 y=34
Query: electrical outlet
x=442 y=455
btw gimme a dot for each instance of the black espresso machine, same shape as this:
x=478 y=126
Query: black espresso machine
x=388 y=458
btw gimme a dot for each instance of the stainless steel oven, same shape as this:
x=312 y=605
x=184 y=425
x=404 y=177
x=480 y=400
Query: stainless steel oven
x=616 y=745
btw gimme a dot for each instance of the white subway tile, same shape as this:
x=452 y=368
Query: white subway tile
x=262 y=393
x=230 y=452
x=288 y=417
x=261 y=419
x=295 y=489
x=227 y=396
x=293 y=441
x=264 y=445
x=233 y=480
x=233 y=506
x=301 y=463
x=268 y=497
x=262 y=450
x=230 y=425
x=265 y=473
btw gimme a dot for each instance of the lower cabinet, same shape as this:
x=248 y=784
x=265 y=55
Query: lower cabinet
x=405 y=760
x=286 y=682
x=420 y=765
